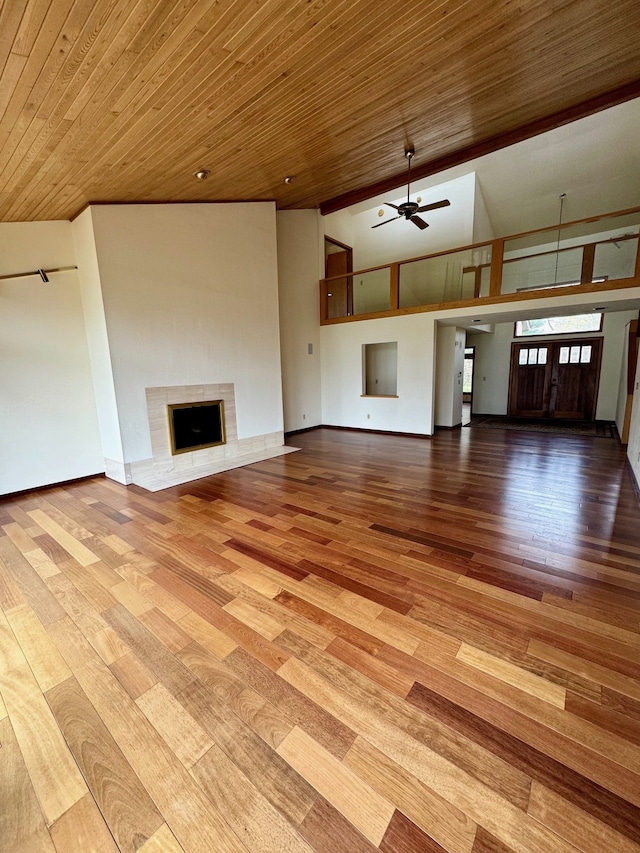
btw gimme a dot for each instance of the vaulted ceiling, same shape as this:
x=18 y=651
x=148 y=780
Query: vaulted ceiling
x=123 y=100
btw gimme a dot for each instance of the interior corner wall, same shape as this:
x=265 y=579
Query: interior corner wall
x=49 y=426
x=482 y=226
x=190 y=294
x=339 y=225
x=623 y=393
x=615 y=332
x=450 y=343
x=98 y=342
x=343 y=403
x=491 y=369
x=299 y=268
x=633 y=446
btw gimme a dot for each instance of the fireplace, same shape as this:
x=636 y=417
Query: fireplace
x=195 y=426
x=209 y=447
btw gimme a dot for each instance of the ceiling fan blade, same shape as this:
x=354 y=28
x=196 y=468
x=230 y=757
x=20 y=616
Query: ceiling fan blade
x=419 y=222
x=394 y=206
x=385 y=222
x=444 y=203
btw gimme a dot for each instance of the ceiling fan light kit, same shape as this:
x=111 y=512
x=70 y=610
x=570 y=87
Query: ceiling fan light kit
x=409 y=209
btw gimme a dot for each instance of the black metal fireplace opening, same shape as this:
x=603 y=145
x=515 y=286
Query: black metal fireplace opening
x=194 y=426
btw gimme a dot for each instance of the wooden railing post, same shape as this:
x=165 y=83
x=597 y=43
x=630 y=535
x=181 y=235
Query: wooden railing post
x=495 y=281
x=394 y=287
x=588 y=257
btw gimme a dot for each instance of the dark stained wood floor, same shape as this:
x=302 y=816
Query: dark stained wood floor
x=375 y=643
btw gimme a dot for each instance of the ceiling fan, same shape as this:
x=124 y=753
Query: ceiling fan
x=410 y=209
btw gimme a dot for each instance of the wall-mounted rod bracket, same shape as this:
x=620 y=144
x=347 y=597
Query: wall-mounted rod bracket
x=44 y=274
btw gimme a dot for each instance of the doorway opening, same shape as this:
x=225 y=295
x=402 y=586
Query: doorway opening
x=338 y=260
x=467 y=384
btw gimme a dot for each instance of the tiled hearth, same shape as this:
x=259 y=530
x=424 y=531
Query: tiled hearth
x=164 y=469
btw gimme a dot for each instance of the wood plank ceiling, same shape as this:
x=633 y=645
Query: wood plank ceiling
x=123 y=100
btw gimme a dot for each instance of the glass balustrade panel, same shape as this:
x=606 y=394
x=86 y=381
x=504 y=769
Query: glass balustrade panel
x=553 y=258
x=546 y=270
x=615 y=259
x=445 y=278
x=371 y=291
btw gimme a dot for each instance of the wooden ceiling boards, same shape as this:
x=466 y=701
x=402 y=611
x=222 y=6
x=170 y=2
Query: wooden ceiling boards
x=123 y=100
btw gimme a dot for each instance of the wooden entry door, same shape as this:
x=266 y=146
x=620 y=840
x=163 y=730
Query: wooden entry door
x=555 y=379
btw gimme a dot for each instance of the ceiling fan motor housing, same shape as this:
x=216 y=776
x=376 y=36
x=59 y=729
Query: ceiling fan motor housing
x=408 y=209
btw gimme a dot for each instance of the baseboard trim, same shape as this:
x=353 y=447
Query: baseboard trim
x=300 y=431
x=10 y=495
x=634 y=479
x=457 y=426
x=376 y=431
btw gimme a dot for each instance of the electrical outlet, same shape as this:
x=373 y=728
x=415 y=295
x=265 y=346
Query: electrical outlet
x=304 y=417
x=368 y=417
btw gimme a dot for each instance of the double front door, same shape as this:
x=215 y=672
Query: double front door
x=557 y=379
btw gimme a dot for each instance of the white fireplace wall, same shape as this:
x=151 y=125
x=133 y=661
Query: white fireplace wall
x=190 y=298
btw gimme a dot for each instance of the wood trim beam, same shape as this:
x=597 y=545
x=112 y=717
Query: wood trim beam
x=487 y=146
x=479 y=304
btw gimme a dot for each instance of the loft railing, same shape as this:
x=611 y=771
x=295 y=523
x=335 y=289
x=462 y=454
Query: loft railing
x=599 y=253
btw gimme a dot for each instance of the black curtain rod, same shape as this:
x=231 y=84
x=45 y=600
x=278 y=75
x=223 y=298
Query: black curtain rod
x=41 y=272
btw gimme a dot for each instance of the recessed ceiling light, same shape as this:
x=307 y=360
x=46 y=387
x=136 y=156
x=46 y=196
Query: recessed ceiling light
x=289 y=179
x=600 y=308
x=477 y=321
x=202 y=174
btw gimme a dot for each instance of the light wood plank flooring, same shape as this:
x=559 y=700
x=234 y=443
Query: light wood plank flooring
x=377 y=643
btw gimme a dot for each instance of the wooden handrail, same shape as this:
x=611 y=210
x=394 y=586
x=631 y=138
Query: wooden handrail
x=491 y=243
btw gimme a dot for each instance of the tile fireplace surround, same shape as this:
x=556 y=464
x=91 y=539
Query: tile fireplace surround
x=164 y=469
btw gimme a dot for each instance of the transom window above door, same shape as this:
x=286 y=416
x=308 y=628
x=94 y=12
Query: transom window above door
x=558 y=325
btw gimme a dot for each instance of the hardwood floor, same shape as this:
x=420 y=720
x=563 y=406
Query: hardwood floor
x=375 y=643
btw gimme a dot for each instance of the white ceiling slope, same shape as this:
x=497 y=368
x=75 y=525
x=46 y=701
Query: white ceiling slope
x=595 y=161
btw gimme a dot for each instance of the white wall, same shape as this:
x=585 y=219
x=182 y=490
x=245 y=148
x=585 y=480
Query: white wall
x=99 y=351
x=300 y=263
x=622 y=386
x=342 y=400
x=448 y=227
x=633 y=447
x=190 y=297
x=482 y=226
x=493 y=354
x=339 y=225
x=449 y=372
x=491 y=369
x=49 y=427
